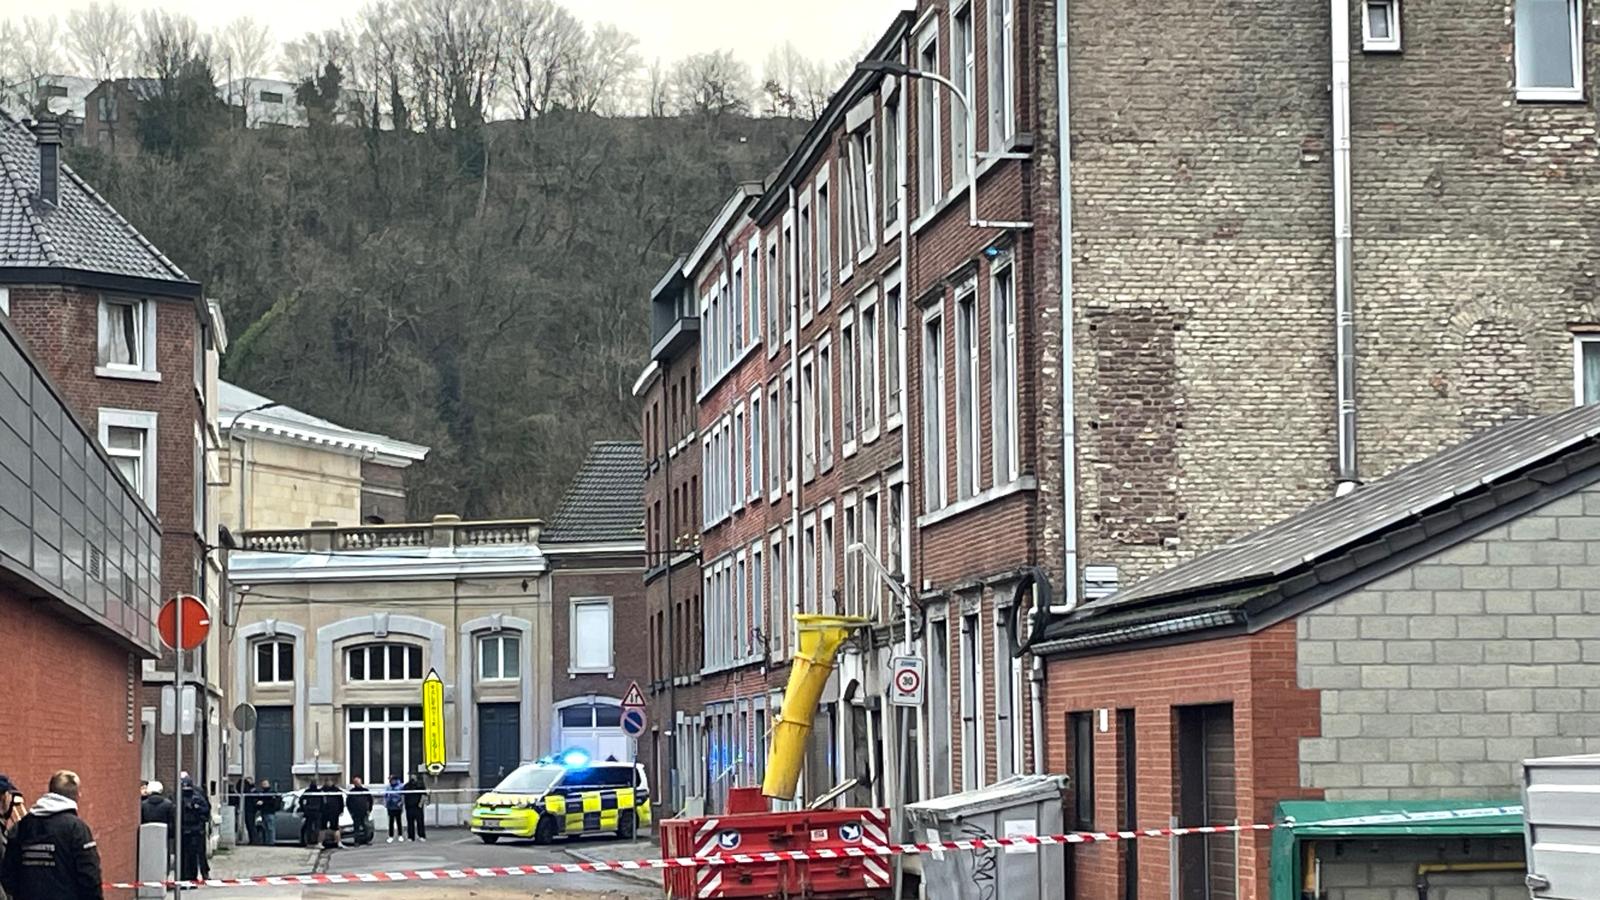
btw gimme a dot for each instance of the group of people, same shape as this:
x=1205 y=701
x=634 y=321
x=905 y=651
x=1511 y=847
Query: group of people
x=47 y=852
x=323 y=805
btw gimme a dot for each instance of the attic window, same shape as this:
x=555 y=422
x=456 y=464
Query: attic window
x=1380 y=26
x=55 y=90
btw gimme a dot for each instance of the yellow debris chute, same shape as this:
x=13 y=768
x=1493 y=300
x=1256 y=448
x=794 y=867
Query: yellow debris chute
x=820 y=639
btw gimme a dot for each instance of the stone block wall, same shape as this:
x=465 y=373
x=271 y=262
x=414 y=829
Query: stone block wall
x=1387 y=869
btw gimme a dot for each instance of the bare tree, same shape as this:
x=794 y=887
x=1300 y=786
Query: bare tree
x=32 y=52
x=715 y=83
x=168 y=42
x=380 y=67
x=795 y=85
x=455 y=52
x=101 y=40
x=307 y=56
x=243 y=47
x=603 y=74
x=544 y=42
x=658 y=100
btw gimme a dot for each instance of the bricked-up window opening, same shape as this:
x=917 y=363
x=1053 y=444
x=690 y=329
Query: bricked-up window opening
x=591 y=628
x=758 y=446
x=894 y=349
x=963 y=59
x=1549 y=50
x=125 y=334
x=1080 y=725
x=1128 y=780
x=382 y=741
x=938 y=707
x=868 y=383
x=825 y=406
x=972 y=736
x=968 y=470
x=1380 y=25
x=808 y=417
x=499 y=657
x=775 y=438
x=849 y=365
x=1586 y=369
x=274 y=662
x=1002 y=73
x=830 y=582
x=871 y=581
x=935 y=430
x=1004 y=377
x=928 y=180
x=824 y=243
x=758 y=603
x=893 y=165
x=1206 y=795
x=384 y=662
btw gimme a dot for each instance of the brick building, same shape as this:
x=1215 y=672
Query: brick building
x=79 y=563
x=131 y=343
x=599 y=642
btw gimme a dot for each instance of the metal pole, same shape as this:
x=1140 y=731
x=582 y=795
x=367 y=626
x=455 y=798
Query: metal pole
x=177 y=737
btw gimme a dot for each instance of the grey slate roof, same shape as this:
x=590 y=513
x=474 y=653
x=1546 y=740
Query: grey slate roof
x=1332 y=526
x=83 y=232
x=605 y=502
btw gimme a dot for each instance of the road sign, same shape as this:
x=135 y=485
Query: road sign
x=433 y=722
x=905 y=681
x=196 y=622
x=633 y=721
x=634 y=698
x=244 y=717
x=175 y=715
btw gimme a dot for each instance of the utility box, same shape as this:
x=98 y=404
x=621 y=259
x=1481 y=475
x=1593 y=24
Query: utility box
x=1024 y=805
x=1561 y=826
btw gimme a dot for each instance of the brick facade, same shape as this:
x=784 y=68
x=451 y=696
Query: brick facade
x=596 y=576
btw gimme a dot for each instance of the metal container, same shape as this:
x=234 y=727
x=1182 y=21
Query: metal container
x=1561 y=825
x=830 y=873
x=1016 y=807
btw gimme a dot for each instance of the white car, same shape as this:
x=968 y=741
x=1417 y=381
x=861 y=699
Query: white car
x=291 y=824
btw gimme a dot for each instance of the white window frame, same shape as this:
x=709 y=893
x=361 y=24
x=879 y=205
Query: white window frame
x=410 y=722
x=849 y=426
x=739 y=484
x=500 y=638
x=752 y=286
x=739 y=624
x=788 y=264
x=869 y=403
x=1374 y=43
x=854 y=565
x=758 y=447
x=281 y=674
x=778 y=585
x=871 y=534
x=891 y=170
x=964 y=72
x=822 y=264
x=969 y=436
x=1002 y=74
x=896 y=509
x=772 y=293
x=758 y=600
x=827 y=560
x=930 y=181
x=1004 y=365
x=776 y=464
x=973 y=772
x=1581 y=342
x=808 y=415
x=824 y=395
x=573 y=605
x=808 y=558
x=147 y=422
x=936 y=424
x=146 y=370
x=1009 y=735
x=5 y=302
x=737 y=305
x=1575 y=28
x=894 y=329
x=805 y=257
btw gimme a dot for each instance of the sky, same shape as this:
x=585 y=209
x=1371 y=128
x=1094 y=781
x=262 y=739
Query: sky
x=668 y=29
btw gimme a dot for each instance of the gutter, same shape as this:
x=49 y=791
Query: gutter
x=1127 y=634
x=1343 y=300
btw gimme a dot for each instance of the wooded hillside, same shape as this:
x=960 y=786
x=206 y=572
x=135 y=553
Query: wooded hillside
x=482 y=291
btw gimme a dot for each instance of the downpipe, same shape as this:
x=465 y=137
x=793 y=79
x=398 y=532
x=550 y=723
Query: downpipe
x=1343 y=252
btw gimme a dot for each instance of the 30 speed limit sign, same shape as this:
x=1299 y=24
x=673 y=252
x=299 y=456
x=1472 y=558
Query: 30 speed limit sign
x=905 y=681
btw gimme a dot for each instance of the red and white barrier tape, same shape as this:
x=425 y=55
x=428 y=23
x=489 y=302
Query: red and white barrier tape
x=821 y=853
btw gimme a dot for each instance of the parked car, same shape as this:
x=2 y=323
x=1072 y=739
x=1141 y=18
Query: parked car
x=291 y=822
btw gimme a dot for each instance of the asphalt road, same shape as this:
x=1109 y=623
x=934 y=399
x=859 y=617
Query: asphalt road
x=454 y=849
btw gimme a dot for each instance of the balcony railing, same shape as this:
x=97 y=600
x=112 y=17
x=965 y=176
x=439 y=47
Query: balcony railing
x=444 y=532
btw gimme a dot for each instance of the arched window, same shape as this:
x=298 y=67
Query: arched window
x=274 y=662
x=383 y=662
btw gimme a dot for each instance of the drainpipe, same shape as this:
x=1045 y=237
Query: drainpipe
x=792 y=282
x=1344 y=312
x=902 y=194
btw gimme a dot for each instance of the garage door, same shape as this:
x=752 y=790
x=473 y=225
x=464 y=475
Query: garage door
x=595 y=728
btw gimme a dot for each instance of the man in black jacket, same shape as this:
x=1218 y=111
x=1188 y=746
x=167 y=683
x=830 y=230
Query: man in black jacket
x=196 y=819
x=264 y=829
x=311 y=814
x=332 y=809
x=358 y=800
x=156 y=808
x=52 y=854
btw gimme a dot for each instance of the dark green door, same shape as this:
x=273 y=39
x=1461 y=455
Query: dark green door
x=499 y=741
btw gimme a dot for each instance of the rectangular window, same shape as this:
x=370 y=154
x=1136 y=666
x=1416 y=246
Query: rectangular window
x=1549 y=50
x=825 y=407
x=770 y=283
x=758 y=447
x=868 y=378
x=1007 y=704
x=871 y=581
x=775 y=430
x=808 y=417
x=758 y=603
x=1586 y=369
x=863 y=201
x=790 y=420
x=129 y=438
x=591 y=634
x=962 y=61
x=736 y=306
x=824 y=246
x=894 y=348
x=1080 y=725
x=928 y=180
x=738 y=487
x=899 y=530
x=271 y=97
x=808 y=559
x=499 y=657
x=1002 y=74
x=1380 y=25
x=274 y=662
x=782 y=597
x=1004 y=378
x=384 y=662
x=740 y=618
x=753 y=289
x=807 y=247
x=847 y=381
x=893 y=165
x=382 y=741
x=786 y=275
x=853 y=563
x=939 y=743
x=967 y=429
x=972 y=731
x=935 y=430
x=127 y=336
x=830 y=593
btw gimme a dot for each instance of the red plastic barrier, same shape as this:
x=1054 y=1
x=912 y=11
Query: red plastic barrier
x=736 y=834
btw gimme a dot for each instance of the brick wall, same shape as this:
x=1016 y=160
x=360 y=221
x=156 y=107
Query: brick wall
x=1270 y=715
x=1438 y=680
x=73 y=716
x=630 y=644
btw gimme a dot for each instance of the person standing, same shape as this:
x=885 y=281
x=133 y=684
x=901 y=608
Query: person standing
x=157 y=809
x=267 y=806
x=332 y=809
x=196 y=816
x=52 y=854
x=12 y=809
x=416 y=794
x=394 y=801
x=358 y=800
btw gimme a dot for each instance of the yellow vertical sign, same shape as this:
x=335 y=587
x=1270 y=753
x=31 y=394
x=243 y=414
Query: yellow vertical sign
x=433 y=722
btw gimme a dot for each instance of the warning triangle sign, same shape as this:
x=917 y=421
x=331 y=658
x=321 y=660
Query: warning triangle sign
x=635 y=697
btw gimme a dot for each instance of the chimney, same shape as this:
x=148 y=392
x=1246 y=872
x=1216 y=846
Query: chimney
x=48 y=133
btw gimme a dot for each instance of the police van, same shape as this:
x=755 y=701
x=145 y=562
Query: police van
x=567 y=795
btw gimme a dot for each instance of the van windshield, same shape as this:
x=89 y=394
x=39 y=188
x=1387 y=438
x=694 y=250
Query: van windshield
x=534 y=779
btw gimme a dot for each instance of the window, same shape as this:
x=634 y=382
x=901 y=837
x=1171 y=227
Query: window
x=830 y=594
x=962 y=61
x=1007 y=704
x=928 y=181
x=383 y=662
x=274 y=662
x=786 y=275
x=967 y=468
x=808 y=417
x=5 y=300
x=1549 y=50
x=899 y=529
x=868 y=378
x=383 y=741
x=499 y=657
x=972 y=730
x=807 y=247
x=753 y=301
x=782 y=597
x=863 y=202
x=808 y=558
x=789 y=420
x=854 y=565
x=894 y=348
x=1380 y=25
x=847 y=381
x=758 y=603
x=770 y=283
x=737 y=306
x=738 y=486
x=1586 y=369
x=935 y=429
x=127 y=337
x=872 y=583
x=758 y=447
x=1003 y=377
x=106 y=107
x=893 y=166
x=591 y=634
x=271 y=97
x=739 y=631
x=825 y=407
x=129 y=438
x=939 y=738
x=824 y=245
x=1080 y=725
x=775 y=420
x=1002 y=73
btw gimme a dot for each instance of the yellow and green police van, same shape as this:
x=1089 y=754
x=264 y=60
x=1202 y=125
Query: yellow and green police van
x=564 y=796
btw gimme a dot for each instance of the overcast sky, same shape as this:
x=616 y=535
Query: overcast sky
x=822 y=29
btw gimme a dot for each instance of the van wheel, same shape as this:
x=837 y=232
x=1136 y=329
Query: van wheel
x=488 y=838
x=545 y=831
x=627 y=826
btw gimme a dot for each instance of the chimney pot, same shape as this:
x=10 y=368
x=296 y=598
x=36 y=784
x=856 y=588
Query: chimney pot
x=48 y=134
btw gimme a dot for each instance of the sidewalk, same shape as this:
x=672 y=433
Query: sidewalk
x=621 y=851
x=251 y=861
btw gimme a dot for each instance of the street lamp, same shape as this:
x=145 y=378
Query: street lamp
x=900 y=69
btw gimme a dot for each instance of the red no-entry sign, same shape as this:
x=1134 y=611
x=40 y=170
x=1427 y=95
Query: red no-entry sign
x=196 y=622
